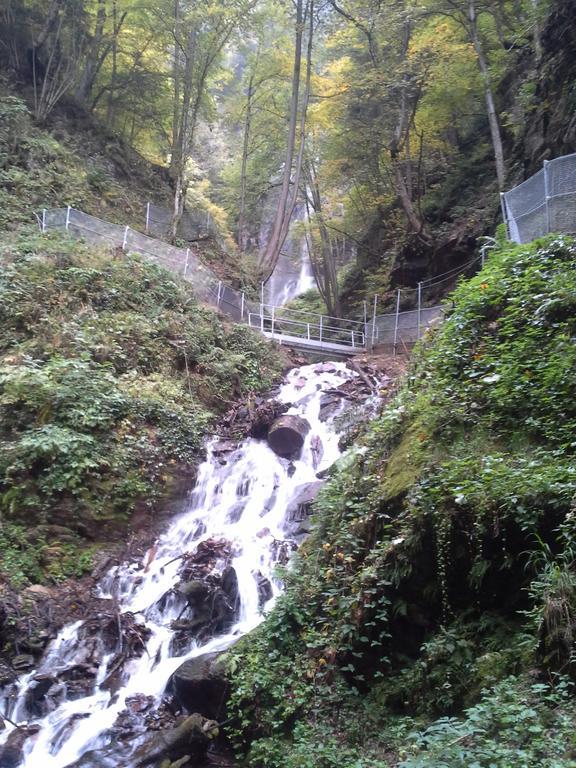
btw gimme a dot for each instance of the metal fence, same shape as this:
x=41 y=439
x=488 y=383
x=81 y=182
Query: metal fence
x=181 y=261
x=546 y=202
x=316 y=332
x=397 y=331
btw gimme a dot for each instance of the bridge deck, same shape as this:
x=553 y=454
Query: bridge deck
x=298 y=342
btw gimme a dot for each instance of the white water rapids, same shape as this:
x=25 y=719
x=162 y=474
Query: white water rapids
x=242 y=498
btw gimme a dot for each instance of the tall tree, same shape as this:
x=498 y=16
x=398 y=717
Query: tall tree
x=294 y=144
x=200 y=33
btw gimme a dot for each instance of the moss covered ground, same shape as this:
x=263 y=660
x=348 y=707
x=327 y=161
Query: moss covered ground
x=430 y=619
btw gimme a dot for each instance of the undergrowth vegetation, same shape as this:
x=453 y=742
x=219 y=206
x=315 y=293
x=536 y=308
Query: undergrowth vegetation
x=110 y=374
x=430 y=619
x=42 y=167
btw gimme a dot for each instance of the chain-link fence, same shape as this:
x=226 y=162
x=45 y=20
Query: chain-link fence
x=317 y=331
x=546 y=202
x=397 y=331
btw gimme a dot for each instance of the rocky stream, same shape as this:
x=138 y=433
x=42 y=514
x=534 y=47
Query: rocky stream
x=141 y=681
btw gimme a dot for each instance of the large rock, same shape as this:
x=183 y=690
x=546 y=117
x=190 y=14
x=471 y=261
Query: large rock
x=200 y=685
x=287 y=434
x=12 y=751
x=299 y=508
x=191 y=738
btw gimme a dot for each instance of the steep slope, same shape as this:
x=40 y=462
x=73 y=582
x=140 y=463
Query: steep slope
x=439 y=581
x=110 y=376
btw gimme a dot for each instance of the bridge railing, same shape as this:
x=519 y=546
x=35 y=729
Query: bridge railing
x=322 y=330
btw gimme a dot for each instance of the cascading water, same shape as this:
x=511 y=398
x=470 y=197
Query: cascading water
x=241 y=497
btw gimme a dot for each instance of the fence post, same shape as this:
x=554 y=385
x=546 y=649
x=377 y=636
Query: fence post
x=396 y=321
x=374 y=318
x=187 y=257
x=353 y=344
x=419 y=307
x=308 y=330
x=219 y=290
x=147 y=230
x=273 y=308
x=43 y=219
x=320 y=328
x=505 y=214
x=242 y=306
x=68 y=209
x=547 y=193
x=125 y=238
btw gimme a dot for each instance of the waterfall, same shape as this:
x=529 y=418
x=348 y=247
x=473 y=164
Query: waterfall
x=240 y=500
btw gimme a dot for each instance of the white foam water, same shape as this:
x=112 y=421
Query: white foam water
x=241 y=497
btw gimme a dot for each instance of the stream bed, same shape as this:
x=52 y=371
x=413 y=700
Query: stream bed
x=244 y=515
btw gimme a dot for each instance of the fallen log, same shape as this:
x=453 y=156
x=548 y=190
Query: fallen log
x=287 y=434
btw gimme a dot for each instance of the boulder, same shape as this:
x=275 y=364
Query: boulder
x=299 y=508
x=230 y=587
x=330 y=404
x=190 y=739
x=317 y=450
x=200 y=685
x=36 y=694
x=304 y=495
x=23 y=662
x=11 y=752
x=265 y=591
x=287 y=434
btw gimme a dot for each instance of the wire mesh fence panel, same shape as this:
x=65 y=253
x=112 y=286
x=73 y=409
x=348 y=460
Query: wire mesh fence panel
x=532 y=225
x=95 y=230
x=543 y=203
x=405 y=328
x=176 y=259
x=54 y=218
x=562 y=213
x=526 y=196
x=561 y=174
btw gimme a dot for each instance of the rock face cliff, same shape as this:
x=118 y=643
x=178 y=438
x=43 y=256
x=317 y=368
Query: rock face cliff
x=551 y=122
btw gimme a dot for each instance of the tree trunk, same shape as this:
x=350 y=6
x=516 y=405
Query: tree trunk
x=288 y=201
x=271 y=253
x=325 y=272
x=537 y=31
x=489 y=95
x=183 y=138
x=176 y=77
x=93 y=61
x=241 y=238
x=111 y=107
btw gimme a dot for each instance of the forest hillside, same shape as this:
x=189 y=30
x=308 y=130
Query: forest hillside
x=421 y=611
